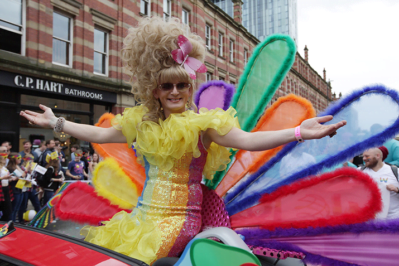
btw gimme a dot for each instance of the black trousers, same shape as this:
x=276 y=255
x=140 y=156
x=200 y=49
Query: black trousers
x=5 y=206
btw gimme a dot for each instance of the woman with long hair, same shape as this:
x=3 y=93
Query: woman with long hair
x=175 y=143
x=95 y=159
x=6 y=195
x=53 y=177
x=14 y=168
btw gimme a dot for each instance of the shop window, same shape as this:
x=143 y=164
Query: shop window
x=62 y=39
x=12 y=28
x=166 y=9
x=145 y=7
x=100 y=52
x=208 y=36
x=185 y=18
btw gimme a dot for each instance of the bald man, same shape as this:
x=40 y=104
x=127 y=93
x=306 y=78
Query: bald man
x=382 y=173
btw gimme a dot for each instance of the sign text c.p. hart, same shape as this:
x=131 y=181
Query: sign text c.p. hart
x=48 y=86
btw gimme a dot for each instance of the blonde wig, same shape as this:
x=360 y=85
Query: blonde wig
x=147 y=57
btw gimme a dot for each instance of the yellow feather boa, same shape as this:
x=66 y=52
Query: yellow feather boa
x=163 y=143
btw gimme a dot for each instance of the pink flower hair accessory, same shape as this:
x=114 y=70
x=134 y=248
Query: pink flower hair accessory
x=191 y=65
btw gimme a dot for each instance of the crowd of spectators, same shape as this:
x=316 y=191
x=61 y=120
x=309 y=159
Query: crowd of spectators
x=20 y=178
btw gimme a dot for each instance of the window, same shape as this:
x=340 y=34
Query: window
x=145 y=7
x=231 y=51
x=12 y=28
x=245 y=57
x=221 y=78
x=220 y=44
x=166 y=9
x=184 y=17
x=62 y=39
x=100 y=52
x=208 y=76
x=208 y=36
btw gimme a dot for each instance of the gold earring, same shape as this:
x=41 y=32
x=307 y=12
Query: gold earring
x=188 y=105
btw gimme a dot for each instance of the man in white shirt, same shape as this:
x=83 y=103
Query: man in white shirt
x=383 y=173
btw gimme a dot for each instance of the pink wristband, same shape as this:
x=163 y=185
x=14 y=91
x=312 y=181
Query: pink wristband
x=298 y=134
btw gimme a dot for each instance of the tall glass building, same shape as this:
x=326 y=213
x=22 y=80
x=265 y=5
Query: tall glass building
x=265 y=17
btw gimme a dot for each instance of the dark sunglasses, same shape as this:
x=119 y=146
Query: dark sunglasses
x=179 y=86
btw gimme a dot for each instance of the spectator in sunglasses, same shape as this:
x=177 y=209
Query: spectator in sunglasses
x=8 y=146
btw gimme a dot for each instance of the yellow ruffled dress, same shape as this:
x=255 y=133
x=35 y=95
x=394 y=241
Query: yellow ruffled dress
x=168 y=212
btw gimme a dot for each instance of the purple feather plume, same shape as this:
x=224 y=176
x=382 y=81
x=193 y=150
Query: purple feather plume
x=380 y=226
x=229 y=90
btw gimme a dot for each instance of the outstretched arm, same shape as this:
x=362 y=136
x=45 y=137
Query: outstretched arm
x=264 y=140
x=79 y=131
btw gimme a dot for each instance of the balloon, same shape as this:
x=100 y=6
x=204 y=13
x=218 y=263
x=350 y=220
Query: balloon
x=28 y=215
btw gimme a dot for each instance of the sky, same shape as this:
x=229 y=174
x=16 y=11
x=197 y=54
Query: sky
x=356 y=41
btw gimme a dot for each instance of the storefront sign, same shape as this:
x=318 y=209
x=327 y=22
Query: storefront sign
x=41 y=85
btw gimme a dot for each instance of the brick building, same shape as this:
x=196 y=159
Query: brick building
x=304 y=81
x=65 y=54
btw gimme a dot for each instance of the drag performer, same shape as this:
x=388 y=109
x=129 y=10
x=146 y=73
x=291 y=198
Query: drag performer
x=176 y=144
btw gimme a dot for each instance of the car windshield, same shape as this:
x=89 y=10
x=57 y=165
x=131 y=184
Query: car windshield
x=67 y=228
